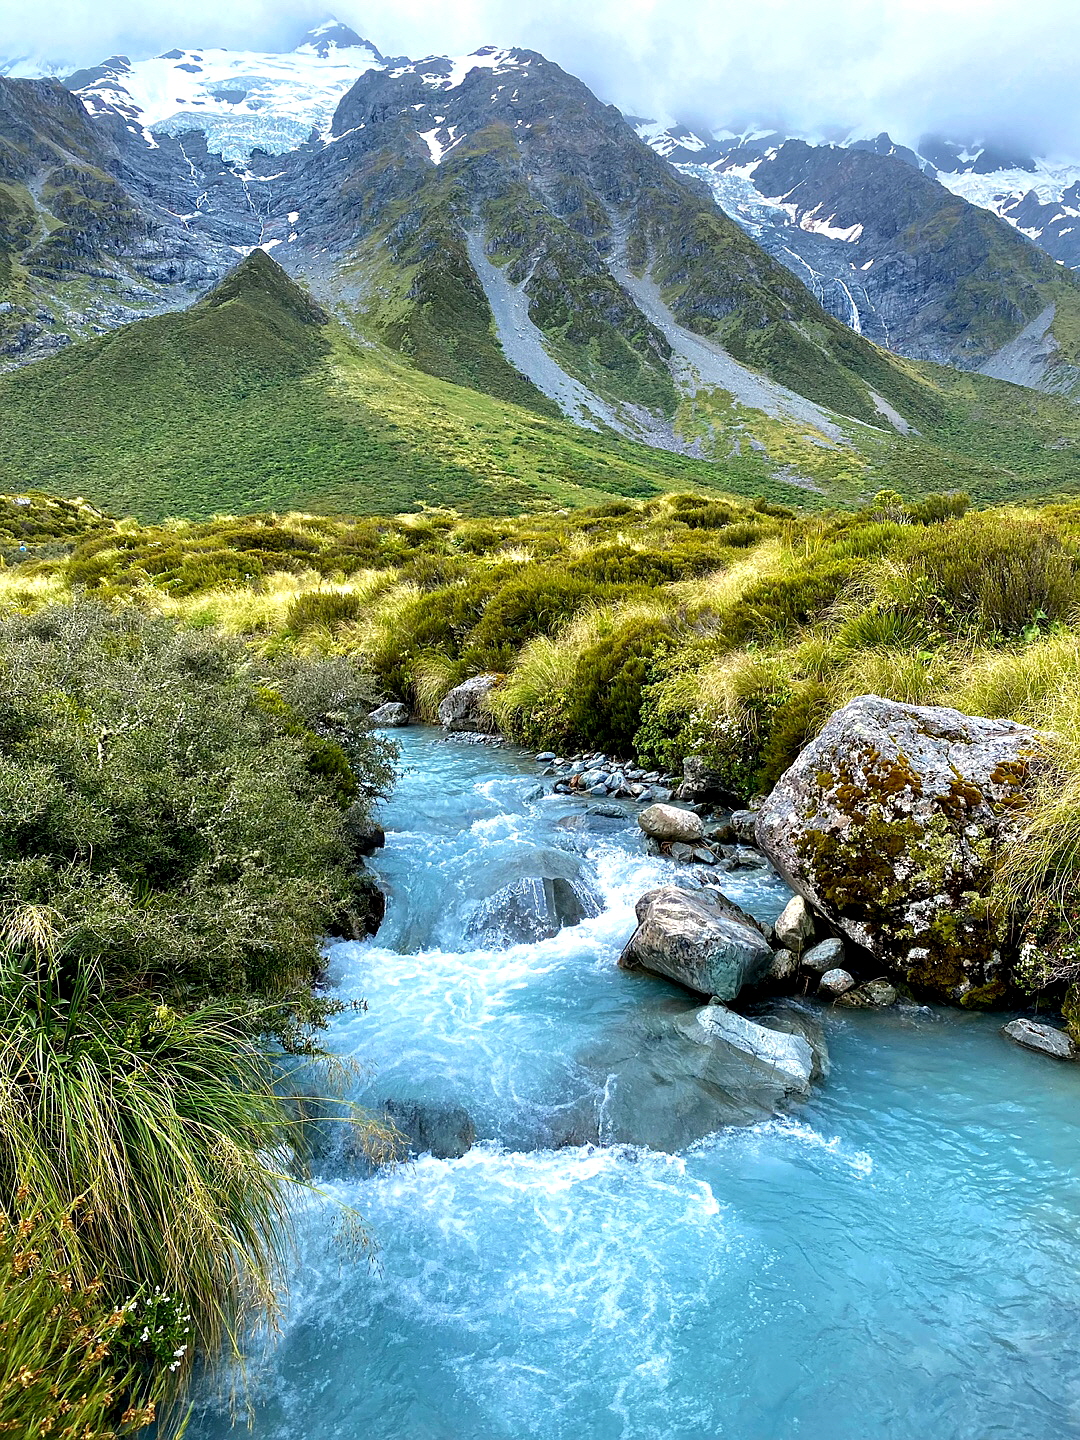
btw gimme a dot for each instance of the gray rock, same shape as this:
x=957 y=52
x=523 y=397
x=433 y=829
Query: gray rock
x=1046 y=1039
x=546 y=757
x=608 y=812
x=889 y=823
x=743 y=857
x=742 y=825
x=537 y=792
x=796 y=1018
x=783 y=969
x=699 y=782
x=824 y=957
x=671 y=1075
x=835 y=982
x=663 y=793
x=668 y=822
x=874 y=995
x=465 y=708
x=393 y=714
x=703 y=855
x=432 y=1127
x=795 y=925
x=703 y=941
x=679 y=851
x=532 y=908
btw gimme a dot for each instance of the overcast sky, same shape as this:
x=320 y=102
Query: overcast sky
x=996 y=69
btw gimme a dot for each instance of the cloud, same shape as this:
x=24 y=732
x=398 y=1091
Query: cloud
x=986 y=69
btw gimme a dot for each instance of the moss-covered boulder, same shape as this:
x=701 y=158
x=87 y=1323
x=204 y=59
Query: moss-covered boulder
x=888 y=824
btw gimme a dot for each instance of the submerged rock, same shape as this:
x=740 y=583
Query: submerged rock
x=888 y=823
x=700 y=939
x=532 y=908
x=393 y=714
x=671 y=1075
x=874 y=995
x=668 y=822
x=433 y=1127
x=465 y=708
x=1044 y=1038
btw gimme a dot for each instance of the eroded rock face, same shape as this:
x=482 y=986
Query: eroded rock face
x=465 y=709
x=888 y=823
x=698 y=938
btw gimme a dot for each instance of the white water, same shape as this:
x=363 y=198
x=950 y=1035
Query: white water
x=899 y=1259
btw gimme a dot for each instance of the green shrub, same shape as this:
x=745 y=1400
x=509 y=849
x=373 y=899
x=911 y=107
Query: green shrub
x=321 y=607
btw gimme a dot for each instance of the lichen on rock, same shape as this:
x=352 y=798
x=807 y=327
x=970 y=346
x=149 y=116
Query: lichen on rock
x=889 y=822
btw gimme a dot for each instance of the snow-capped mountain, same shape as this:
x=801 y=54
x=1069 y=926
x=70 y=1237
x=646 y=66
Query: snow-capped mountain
x=240 y=100
x=1038 y=196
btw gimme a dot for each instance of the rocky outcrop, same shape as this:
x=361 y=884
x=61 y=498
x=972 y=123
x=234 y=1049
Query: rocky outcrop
x=465 y=708
x=699 y=939
x=668 y=822
x=363 y=910
x=888 y=824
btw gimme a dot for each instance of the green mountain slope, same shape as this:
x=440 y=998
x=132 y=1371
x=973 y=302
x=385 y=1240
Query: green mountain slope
x=255 y=399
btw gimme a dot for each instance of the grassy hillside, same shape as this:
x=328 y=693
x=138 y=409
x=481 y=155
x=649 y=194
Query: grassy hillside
x=253 y=399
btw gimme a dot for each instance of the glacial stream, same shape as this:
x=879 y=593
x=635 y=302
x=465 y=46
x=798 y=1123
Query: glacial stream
x=898 y=1258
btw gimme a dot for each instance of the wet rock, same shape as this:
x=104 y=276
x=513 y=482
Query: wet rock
x=363 y=910
x=1043 y=1038
x=824 y=957
x=432 y=1127
x=699 y=782
x=703 y=855
x=671 y=1075
x=532 y=908
x=796 y=1018
x=742 y=857
x=465 y=708
x=702 y=940
x=889 y=823
x=607 y=812
x=546 y=757
x=679 y=851
x=530 y=797
x=783 y=969
x=668 y=822
x=795 y=924
x=874 y=995
x=365 y=834
x=835 y=982
x=393 y=714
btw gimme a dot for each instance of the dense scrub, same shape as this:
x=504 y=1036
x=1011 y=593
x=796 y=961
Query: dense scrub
x=175 y=844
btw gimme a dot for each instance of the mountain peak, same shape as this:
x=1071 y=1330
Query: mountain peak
x=333 y=35
x=259 y=278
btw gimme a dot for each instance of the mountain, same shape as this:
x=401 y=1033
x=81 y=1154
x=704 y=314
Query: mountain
x=239 y=100
x=256 y=398
x=893 y=252
x=489 y=240
x=84 y=244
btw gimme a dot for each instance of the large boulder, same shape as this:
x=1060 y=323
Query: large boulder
x=432 y=1127
x=668 y=822
x=700 y=939
x=1045 y=1039
x=671 y=1075
x=888 y=824
x=465 y=708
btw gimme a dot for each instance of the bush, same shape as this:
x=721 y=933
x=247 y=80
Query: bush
x=1001 y=572
x=328 y=608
